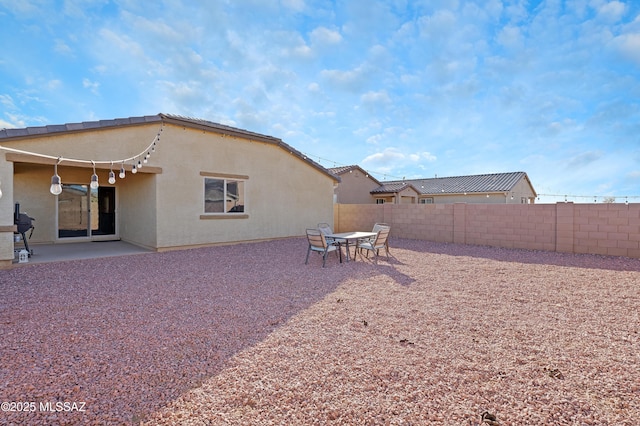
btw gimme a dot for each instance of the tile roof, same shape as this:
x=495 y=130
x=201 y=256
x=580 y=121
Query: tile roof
x=496 y=182
x=392 y=187
x=344 y=169
x=73 y=127
x=158 y=118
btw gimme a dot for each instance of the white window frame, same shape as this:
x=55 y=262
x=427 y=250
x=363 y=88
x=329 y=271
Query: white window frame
x=239 y=210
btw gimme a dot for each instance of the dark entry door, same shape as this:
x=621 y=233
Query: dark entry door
x=106 y=211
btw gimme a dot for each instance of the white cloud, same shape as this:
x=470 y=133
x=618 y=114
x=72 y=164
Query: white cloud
x=584 y=159
x=297 y=5
x=393 y=158
x=325 y=36
x=511 y=37
x=437 y=26
x=93 y=86
x=62 y=48
x=351 y=80
x=376 y=98
x=7 y=102
x=6 y=125
x=628 y=45
x=610 y=11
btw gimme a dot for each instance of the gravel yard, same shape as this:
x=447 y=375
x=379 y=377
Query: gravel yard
x=248 y=334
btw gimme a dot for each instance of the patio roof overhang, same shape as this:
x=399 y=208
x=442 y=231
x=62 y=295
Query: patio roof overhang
x=34 y=159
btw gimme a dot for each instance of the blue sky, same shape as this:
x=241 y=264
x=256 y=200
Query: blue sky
x=402 y=88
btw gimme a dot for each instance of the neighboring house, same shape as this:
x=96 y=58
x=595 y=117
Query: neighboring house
x=355 y=186
x=195 y=183
x=503 y=188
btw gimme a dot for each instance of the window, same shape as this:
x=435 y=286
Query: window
x=379 y=200
x=224 y=195
x=428 y=200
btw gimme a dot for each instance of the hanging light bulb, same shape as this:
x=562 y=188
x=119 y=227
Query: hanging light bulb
x=134 y=170
x=112 y=176
x=139 y=164
x=146 y=158
x=94 y=178
x=56 y=186
x=122 y=173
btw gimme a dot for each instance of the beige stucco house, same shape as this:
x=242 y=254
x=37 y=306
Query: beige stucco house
x=196 y=183
x=357 y=186
x=493 y=188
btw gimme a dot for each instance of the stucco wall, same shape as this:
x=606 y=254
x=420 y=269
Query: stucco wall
x=355 y=188
x=606 y=229
x=6 y=212
x=31 y=181
x=284 y=194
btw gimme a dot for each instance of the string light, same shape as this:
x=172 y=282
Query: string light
x=591 y=198
x=94 y=178
x=386 y=176
x=56 y=183
x=112 y=176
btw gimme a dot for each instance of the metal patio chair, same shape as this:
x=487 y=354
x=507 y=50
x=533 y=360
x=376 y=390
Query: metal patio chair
x=376 y=243
x=319 y=244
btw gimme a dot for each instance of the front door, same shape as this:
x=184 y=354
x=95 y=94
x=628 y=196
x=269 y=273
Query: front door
x=86 y=212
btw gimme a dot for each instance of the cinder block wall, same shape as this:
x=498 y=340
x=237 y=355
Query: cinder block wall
x=607 y=229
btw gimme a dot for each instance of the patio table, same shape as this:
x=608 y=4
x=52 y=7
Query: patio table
x=350 y=236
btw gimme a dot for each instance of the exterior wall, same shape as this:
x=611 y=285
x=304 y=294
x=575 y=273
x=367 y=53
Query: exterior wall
x=284 y=195
x=521 y=190
x=355 y=188
x=469 y=198
x=136 y=212
x=6 y=212
x=31 y=181
x=605 y=229
x=408 y=196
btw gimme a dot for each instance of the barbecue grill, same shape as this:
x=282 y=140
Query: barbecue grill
x=24 y=224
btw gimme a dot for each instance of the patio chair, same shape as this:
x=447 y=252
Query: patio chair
x=326 y=230
x=376 y=228
x=376 y=243
x=319 y=244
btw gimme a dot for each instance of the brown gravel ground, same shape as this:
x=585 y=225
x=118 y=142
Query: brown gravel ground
x=249 y=335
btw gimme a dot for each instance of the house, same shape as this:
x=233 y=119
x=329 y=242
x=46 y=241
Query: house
x=161 y=182
x=355 y=186
x=503 y=188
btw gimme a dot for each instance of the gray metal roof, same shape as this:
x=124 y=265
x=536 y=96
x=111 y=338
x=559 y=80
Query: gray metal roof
x=488 y=183
x=158 y=118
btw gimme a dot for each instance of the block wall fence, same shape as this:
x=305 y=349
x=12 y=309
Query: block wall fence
x=606 y=229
